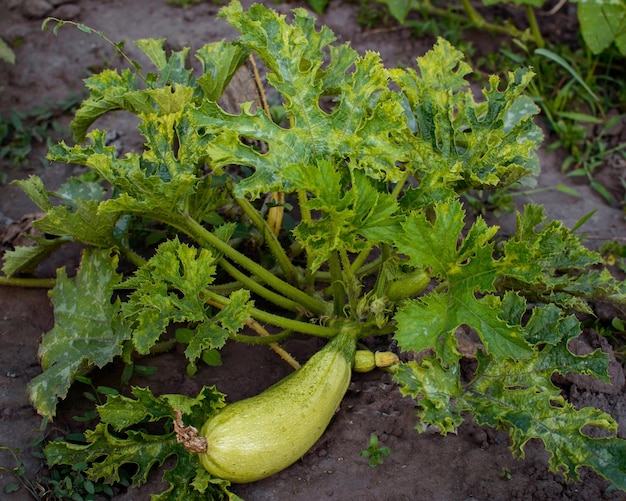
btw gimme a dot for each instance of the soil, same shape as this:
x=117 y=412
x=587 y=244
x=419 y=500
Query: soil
x=475 y=463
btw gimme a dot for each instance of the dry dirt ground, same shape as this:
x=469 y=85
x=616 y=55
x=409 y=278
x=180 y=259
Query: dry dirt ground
x=473 y=464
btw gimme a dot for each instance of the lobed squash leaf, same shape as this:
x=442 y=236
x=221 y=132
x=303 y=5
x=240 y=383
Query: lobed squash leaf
x=354 y=212
x=87 y=332
x=366 y=125
x=460 y=143
x=466 y=267
x=519 y=396
x=116 y=442
x=548 y=261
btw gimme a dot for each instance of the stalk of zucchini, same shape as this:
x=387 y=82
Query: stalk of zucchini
x=259 y=436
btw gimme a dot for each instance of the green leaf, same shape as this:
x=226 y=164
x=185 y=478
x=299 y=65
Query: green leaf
x=6 y=53
x=214 y=332
x=220 y=61
x=436 y=389
x=366 y=126
x=171 y=68
x=36 y=191
x=562 y=62
x=547 y=260
x=518 y=396
x=75 y=189
x=601 y=24
x=167 y=289
x=86 y=224
x=399 y=9
x=353 y=212
x=24 y=259
x=154 y=184
x=460 y=143
x=154 y=50
x=88 y=331
x=108 y=91
x=318 y=5
x=466 y=268
x=116 y=443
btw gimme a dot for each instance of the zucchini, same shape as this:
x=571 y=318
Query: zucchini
x=408 y=286
x=256 y=437
x=366 y=361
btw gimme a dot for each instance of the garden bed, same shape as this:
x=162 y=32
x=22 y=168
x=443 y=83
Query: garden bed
x=474 y=463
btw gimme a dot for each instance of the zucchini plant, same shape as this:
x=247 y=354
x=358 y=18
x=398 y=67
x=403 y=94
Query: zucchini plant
x=370 y=163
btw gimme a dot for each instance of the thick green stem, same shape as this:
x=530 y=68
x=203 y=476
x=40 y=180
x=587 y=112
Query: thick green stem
x=133 y=257
x=34 y=283
x=351 y=283
x=225 y=289
x=305 y=217
x=380 y=285
x=366 y=269
x=272 y=338
x=308 y=302
x=259 y=289
x=397 y=189
x=279 y=321
x=270 y=239
x=336 y=283
x=361 y=257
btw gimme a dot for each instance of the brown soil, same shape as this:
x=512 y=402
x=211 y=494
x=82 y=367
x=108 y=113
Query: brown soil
x=473 y=464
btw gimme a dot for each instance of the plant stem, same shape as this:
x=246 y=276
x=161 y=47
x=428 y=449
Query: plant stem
x=337 y=284
x=133 y=257
x=279 y=350
x=305 y=217
x=476 y=18
x=473 y=15
x=351 y=282
x=35 y=283
x=270 y=339
x=269 y=237
x=366 y=269
x=259 y=289
x=279 y=321
x=118 y=47
x=361 y=257
x=203 y=235
x=534 y=27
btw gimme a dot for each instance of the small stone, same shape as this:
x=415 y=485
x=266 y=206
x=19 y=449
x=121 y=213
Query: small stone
x=36 y=9
x=56 y=3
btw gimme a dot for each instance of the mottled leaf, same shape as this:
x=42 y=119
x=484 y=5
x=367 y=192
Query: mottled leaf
x=116 y=443
x=88 y=331
x=466 y=267
x=167 y=289
x=366 y=125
